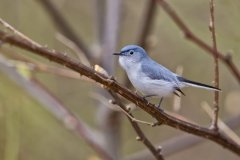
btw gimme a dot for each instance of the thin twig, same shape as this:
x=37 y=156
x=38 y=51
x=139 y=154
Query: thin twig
x=155 y=151
x=221 y=124
x=121 y=108
x=226 y=59
x=110 y=84
x=214 y=125
x=126 y=112
x=70 y=44
x=12 y=29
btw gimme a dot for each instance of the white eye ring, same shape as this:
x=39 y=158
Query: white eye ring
x=131 y=52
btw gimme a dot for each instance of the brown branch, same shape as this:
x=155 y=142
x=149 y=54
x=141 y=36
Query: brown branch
x=112 y=85
x=62 y=24
x=156 y=152
x=56 y=107
x=226 y=59
x=180 y=143
x=214 y=125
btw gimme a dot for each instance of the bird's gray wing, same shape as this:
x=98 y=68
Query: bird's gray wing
x=158 y=72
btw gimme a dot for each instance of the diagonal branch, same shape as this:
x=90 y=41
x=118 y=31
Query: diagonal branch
x=114 y=86
x=226 y=59
x=156 y=152
x=180 y=143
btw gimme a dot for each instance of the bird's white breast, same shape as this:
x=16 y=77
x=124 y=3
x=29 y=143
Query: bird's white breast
x=142 y=82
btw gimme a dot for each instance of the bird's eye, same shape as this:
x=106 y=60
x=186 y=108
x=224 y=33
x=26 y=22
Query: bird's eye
x=131 y=52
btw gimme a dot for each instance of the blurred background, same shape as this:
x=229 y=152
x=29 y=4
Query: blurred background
x=29 y=130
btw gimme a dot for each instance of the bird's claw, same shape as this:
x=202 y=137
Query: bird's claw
x=145 y=100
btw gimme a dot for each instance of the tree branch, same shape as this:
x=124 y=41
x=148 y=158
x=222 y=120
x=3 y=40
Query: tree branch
x=110 y=84
x=156 y=152
x=214 y=124
x=226 y=59
x=180 y=143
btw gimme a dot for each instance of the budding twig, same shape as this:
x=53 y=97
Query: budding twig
x=214 y=124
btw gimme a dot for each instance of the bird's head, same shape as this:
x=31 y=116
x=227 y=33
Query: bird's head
x=131 y=54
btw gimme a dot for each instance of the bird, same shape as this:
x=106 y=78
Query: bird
x=150 y=77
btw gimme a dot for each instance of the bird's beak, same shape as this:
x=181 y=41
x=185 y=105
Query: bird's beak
x=117 y=54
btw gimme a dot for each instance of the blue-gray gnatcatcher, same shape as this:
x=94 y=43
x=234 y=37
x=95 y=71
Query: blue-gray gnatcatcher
x=151 y=78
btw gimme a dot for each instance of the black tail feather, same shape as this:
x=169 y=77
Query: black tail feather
x=181 y=79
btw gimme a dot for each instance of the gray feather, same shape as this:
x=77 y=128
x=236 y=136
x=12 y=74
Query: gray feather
x=156 y=71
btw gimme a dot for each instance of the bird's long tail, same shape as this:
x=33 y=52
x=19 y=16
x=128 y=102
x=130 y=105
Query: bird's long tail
x=197 y=84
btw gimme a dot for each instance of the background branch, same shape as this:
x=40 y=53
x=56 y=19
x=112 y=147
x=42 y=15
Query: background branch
x=180 y=143
x=147 y=23
x=56 y=107
x=145 y=29
x=226 y=59
x=62 y=24
x=109 y=120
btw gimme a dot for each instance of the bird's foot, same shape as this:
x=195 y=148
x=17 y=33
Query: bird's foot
x=147 y=96
x=144 y=98
x=159 y=105
x=159 y=108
